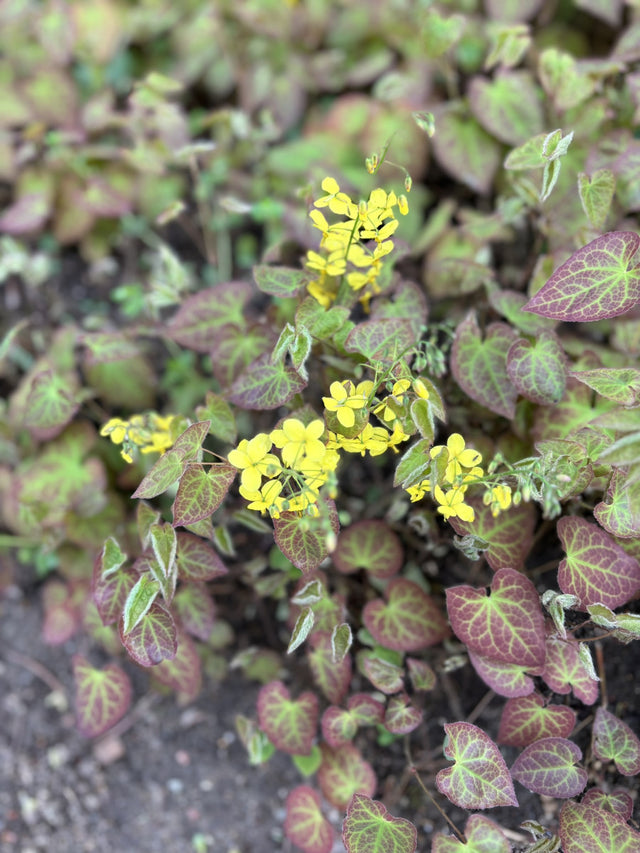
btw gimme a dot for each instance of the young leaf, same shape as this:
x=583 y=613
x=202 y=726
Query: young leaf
x=526 y=719
x=413 y=464
x=369 y=828
x=279 y=281
x=153 y=639
x=479 y=779
x=304 y=624
x=564 y=671
x=614 y=741
x=201 y=315
x=164 y=543
x=508 y=535
x=303 y=539
x=338 y=726
x=289 y=724
x=264 y=385
x=409 y=620
x=538 y=368
x=507 y=626
x=401 y=716
x=222 y=423
x=110 y=559
x=480 y=366
x=103 y=696
x=619 y=513
x=599 y=281
x=139 y=600
x=371 y=545
x=421 y=675
x=625 y=627
x=343 y=773
x=197 y=561
x=341 y=641
x=163 y=475
x=482 y=834
x=305 y=825
x=596 y=569
x=547 y=767
x=201 y=492
x=585 y=829
x=385 y=676
x=366 y=710
x=596 y=194
x=621 y=384
x=507 y=679
x=111 y=593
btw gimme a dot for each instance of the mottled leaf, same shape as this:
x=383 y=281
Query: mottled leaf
x=289 y=724
x=332 y=677
x=343 y=773
x=526 y=719
x=201 y=491
x=614 y=741
x=538 y=368
x=585 y=829
x=564 y=671
x=619 y=512
x=195 y=609
x=303 y=539
x=547 y=767
x=508 y=536
x=482 y=834
x=197 y=561
x=183 y=672
x=369 y=828
x=401 y=715
x=408 y=620
x=507 y=679
x=464 y=149
x=596 y=194
x=621 y=384
x=371 y=545
x=51 y=404
x=103 y=696
x=509 y=106
x=195 y=324
x=381 y=340
x=305 y=825
x=163 y=474
x=264 y=385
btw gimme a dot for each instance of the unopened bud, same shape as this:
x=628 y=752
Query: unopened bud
x=408 y=183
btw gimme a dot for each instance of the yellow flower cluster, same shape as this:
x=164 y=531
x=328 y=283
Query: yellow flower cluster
x=294 y=480
x=150 y=433
x=354 y=246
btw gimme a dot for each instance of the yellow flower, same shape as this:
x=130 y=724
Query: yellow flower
x=452 y=505
x=383 y=409
x=333 y=264
x=297 y=441
x=116 y=429
x=459 y=457
x=421 y=389
x=403 y=205
x=323 y=291
x=417 y=492
x=253 y=459
x=337 y=202
x=265 y=499
x=373 y=439
x=498 y=498
x=345 y=398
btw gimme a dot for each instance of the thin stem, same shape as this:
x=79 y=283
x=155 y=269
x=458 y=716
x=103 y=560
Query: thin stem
x=414 y=771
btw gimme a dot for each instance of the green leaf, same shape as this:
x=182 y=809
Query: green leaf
x=413 y=465
x=619 y=513
x=408 y=620
x=596 y=569
x=264 y=385
x=197 y=561
x=547 y=767
x=217 y=411
x=369 y=828
x=164 y=543
x=562 y=79
x=625 y=627
x=401 y=715
x=235 y=348
x=289 y=724
x=111 y=558
x=331 y=675
x=308 y=764
x=381 y=340
x=509 y=107
x=621 y=384
x=599 y=281
x=586 y=829
x=482 y=834
x=614 y=741
x=139 y=602
x=304 y=624
x=538 y=368
x=371 y=545
x=596 y=194
x=102 y=696
x=305 y=825
x=479 y=779
x=200 y=316
x=341 y=641
x=281 y=282
x=303 y=539
x=164 y=474
x=464 y=149
x=480 y=366
x=153 y=639
x=189 y=443
x=343 y=773
x=110 y=592
x=320 y=322
x=51 y=404
x=201 y=491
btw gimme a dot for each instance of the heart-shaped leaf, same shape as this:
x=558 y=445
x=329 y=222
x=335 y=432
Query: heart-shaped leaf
x=614 y=741
x=371 y=545
x=621 y=384
x=265 y=385
x=303 y=539
x=464 y=149
x=332 y=676
x=51 y=403
x=201 y=492
x=619 y=512
x=547 y=767
x=338 y=726
x=110 y=593
x=479 y=779
x=201 y=315
x=482 y=834
x=305 y=825
x=538 y=368
x=401 y=716
x=599 y=281
x=408 y=620
x=507 y=679
x=385 y=676
x=526 y=719
x=564 y=671
x=596 y=569
x=506 y=626
x=279 y=281
x=619 y=801
x=480 y=366
x=508 y=535
x=222 y=422
x=289 y=724
x=596 y=194
x=509 y=106
x=164 y=473
x=369 y=828
x=343 y=773
x=381 y=340
x=103 y=696
x=153 y=639
x=586 y=829
x=195 y=608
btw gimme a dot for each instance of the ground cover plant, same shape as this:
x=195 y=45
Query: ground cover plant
x=406 y=441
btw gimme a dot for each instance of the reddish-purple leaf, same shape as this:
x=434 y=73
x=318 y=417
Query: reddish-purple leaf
x=421 y=675
x=619 y=512
x=618 y=802
x=332 y=677
x=564 y=671
x=482 y=834
x=163 y=475
x=153 y=639
x=506 y=626
x=197 y=561
x=51 y=404
x=538 y=368
x=339 y=726
x=547 y=767
x=61 y=615
x=599 y=281
x=402 y=716
x=110 y=593
x=370 y=545
x=365 y=710
x=195 y=324
x=408 y=620
x=102 y=696
x=201 y=491
x=183 y=672
x=305 y=825
x=385 y=676
x=265 y=385
x=479 y=779
x=480 y=366
x=195 y=609
x=343 y=773
x=596 y=569
x=614 y=741
x=303 y=539
x=289 y=724
x=586 y=829
x=234 y=348
x=369 y=828
x=509 y=535
x=526 y=719
x=507 y=679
